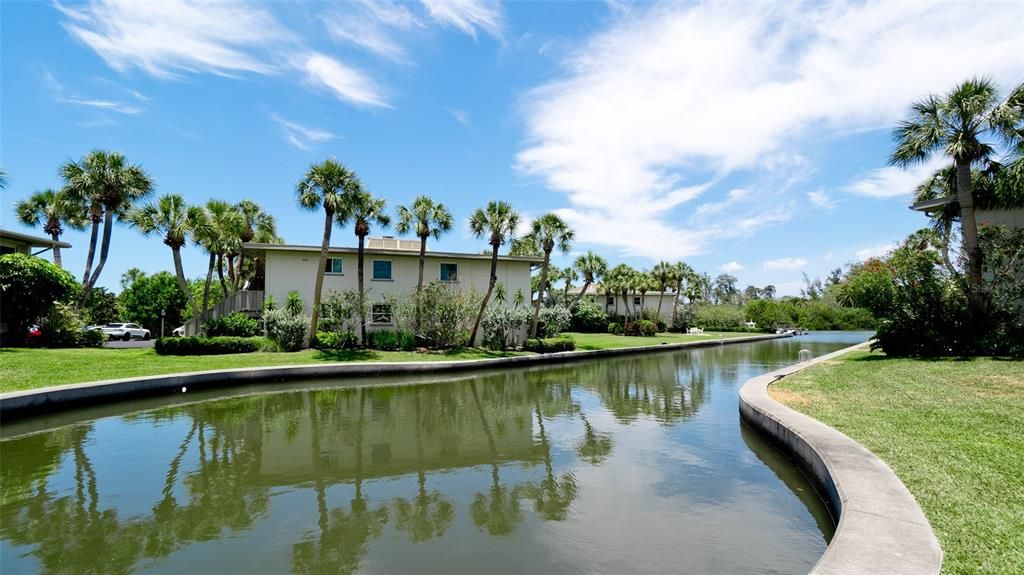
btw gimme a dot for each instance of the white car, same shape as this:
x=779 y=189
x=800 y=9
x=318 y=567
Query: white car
x=125 y=331
x=178 y=332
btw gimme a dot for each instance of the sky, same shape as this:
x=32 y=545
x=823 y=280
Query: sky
x=742 y=138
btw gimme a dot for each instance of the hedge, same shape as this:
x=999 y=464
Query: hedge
x=207 y=345
x=550 y=345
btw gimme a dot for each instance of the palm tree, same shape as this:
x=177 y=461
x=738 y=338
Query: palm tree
x=548 y=232
x=665 y=276
x=52 y=209
x=324 y=185
x=568 y=275
x=498 y=221
x=425 y=218
x=364 y=210
x=643 y=282
x=169 y=216
x=683 y=272
x=592 y=267
x=957 y=124
x=259 y=226
x=3 y=178
x=617 y=281
x=109 y=185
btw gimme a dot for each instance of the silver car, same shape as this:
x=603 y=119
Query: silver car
x=125 y=331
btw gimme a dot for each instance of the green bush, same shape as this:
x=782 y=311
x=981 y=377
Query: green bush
x=503 y=326
x=550 y=345
x=553 y=320
x=90 y=338
x=285 y=328
x=589 y=317
x=648 y=328
x=391 y=340
x=722 y=317
x=447 y=315
x=235 y=324
x=207 y=345
x=615 y=328
x=335 y=340
x=29 y=287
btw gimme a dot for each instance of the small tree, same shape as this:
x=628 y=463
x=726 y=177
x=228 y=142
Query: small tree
x=29 y=287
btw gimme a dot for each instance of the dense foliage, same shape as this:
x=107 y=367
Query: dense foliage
x=389 y=340
x=588 y=317
x=550 y=345
x=503 y=326
x=101 y=307
x=143 y=297
x=287 y=326
x=553 y=321
x=234 y=324
x=29 y=288
x=207 y=345
x=335 y=340
x=447 y=314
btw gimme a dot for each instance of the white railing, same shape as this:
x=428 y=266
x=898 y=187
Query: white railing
x=246 y=301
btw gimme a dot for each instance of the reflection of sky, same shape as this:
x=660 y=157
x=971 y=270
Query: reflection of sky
x=684 y=495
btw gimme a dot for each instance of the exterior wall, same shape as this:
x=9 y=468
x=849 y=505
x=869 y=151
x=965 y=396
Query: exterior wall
x=650 y=302
x=1010 y=218
x=290 y=270
x=18 y=247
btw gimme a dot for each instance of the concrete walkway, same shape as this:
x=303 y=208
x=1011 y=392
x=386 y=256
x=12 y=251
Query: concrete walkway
x=881 y=528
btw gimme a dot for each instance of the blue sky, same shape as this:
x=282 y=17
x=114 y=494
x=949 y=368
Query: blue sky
x=748 y=138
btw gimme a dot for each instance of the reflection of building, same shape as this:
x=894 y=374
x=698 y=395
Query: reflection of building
x=19 y=243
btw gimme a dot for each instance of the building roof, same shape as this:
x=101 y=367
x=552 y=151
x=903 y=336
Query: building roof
x=33 y=241
x=597 y=289
x=930 y=205
x=263 y=248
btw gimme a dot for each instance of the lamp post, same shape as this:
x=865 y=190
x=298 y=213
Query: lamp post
x=162 y=314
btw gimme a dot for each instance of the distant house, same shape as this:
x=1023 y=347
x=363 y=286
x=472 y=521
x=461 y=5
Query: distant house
x=391 y=268
x=19 y=243
x=633 y=304
x=994 y=216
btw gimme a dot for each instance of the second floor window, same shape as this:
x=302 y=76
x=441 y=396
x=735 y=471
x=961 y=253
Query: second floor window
x=381 y=269
x=449 y=272
x=636 y=301
x=333 y=266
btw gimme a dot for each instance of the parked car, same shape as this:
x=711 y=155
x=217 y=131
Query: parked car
x=125 y=331
x=33 y=332
x=178 y=332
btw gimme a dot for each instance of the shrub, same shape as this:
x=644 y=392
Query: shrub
x=335 y=340
x=631 y=328
x=391 y=340
x=447 y=315
x=503 y=325
x=293 y=303
x=723 y=317
x=648 y=328
x=550 y=345
x=29 y=286
x=90 y=338
x=235 y=324
x=62 y=327
x=207 y=345
x=553 y=321
x=589 y=317
x=286 y=329
x=661 y=326
x=615 y=328
x=340 y=312
x=682 y=318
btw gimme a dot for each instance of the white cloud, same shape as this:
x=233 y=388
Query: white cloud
x=459 y=115
x=373 y=25
x=108 y=105
x=785 y=264
x=893 y=182
x=345 y=82
x=62 y=95
x=677 y=96
x=821 y=199
x=302 y=137
x=732 y=198
x=875 y=251
x=467 y=15
x=731 y=267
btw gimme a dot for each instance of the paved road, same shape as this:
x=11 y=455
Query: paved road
x=118 y=344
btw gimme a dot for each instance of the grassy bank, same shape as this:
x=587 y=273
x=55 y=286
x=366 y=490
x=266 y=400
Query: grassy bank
x=953 y=431
x=22 y=368
x=609 y=341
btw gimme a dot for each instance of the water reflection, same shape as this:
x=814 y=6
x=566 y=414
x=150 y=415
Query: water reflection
x=399 y=466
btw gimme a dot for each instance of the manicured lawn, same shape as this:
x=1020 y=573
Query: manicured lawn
x=31 y=368
x=609 y=341
x=953 y=431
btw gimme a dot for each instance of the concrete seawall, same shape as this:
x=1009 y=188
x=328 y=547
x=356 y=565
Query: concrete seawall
x=881 y=528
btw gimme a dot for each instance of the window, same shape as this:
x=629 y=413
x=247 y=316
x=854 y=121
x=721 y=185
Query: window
x=380 y=313
x=333 y=266
x=636 y=301
x=610 y=300
x=449 y=272
x=381 y=269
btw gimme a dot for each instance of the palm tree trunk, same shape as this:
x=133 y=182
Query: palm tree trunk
x=543 y=282
x=232 y=276
x=362 y=293
x=238 y=270
x=487 y=296
x=661 y=297
x=419 y=281
x=969 y=228
x=220 y=275
x=56 y=250
x=579 y=296
x=92 y=249
x=675 y=300
x=206 y=287
x=178 y=271
x=108 y=227
x=318 y=287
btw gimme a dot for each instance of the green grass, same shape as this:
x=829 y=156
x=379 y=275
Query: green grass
x=22 y=368
x=953 y=431
x=609 y=341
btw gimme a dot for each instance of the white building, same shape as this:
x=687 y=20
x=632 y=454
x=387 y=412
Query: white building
x=18 y=243
x=632 y=305
x=391 y=268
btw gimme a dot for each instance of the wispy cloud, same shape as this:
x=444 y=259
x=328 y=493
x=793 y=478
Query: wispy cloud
x=302 y=137
x=345 y=82
x=821 y=199
x=61 y=94
x=894 y=182
x=468 y=15
x=785 y=264
x=459 y=115
x=103 y=105
x=732 y=266
x=373 y=26
x=875 y=251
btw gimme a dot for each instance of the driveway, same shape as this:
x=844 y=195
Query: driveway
x=118 y=344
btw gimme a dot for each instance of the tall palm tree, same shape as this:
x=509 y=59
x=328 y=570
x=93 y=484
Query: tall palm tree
x=665 y=276
x=618 y=281
x=204 y=234
x=52 y=209
x=498 y=221
x=259 y=226
x=109 y=185
x=683 y=273
x=643 y=282
x=548 y=232
x=425 y=218
x=364 y=210
x=957 y=124
x=568 y=275
x=168 y=215
x=592 y=267
x=324 y=186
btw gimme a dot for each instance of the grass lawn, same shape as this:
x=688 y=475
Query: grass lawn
x=22 y=368
x=953 y=431
x=609 y=341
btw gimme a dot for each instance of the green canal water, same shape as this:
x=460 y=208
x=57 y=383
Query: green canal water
x=630 y=465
